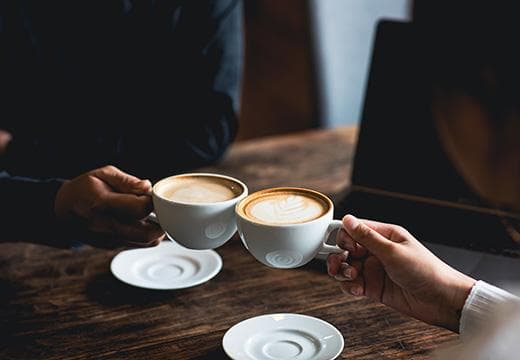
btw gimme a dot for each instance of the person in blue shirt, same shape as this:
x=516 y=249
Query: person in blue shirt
x=150 y=88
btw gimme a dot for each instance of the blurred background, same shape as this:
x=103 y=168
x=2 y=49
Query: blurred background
x=306 y=62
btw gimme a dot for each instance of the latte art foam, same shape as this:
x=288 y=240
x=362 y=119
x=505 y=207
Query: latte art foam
x=199 y=189
x=288 y=208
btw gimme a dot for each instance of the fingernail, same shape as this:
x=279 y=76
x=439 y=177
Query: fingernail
x=356 y=290
x=143 y=186
x=348 y=273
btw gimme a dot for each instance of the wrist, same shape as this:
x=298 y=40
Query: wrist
x=459 y=287
x=61 y=203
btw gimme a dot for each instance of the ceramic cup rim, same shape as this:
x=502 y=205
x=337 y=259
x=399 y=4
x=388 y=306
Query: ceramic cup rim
x=240 y=213
x=242 y=194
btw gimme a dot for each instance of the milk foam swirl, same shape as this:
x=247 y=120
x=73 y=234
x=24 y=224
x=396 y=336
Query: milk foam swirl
x=192 y=189
x=199 y=193
x=285 y=208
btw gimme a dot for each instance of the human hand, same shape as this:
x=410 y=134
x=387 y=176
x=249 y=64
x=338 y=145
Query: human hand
x=112 y=205
x=386 y=263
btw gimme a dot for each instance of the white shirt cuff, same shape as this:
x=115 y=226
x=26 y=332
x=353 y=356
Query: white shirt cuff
x=480 y=305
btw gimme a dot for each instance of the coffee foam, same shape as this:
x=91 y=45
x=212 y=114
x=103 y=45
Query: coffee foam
x=199 y=189
x=285 y=207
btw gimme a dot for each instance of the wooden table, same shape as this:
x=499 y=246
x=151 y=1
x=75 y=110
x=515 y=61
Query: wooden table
x=60 y=304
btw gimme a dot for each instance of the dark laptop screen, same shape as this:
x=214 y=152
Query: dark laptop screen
x=401 y=173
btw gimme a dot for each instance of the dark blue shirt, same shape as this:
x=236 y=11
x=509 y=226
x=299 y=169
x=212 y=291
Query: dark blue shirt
x=151 y=86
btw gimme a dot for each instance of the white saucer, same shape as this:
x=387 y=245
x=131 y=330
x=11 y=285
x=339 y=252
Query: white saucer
x=166 y=266
x=283 y=336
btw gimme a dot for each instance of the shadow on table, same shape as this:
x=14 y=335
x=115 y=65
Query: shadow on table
x=317 y=265
x=107 y=290
x=216 y=354
x=8 y=291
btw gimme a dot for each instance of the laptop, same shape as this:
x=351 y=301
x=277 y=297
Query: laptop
x=401 y=174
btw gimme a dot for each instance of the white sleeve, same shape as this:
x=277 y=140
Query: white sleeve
x=481 y=303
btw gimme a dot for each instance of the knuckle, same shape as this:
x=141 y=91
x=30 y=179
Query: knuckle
x=389 y=246
x=93 y=184
x=400 y=233
x=91 y=180
x=109 y=168
x=399 y=230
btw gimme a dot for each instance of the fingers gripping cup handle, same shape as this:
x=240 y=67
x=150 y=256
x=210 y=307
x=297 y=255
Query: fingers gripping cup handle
x=328 y=249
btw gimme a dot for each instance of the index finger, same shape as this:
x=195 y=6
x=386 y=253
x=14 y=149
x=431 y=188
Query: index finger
x=127 y=205
x=121 y=181
x=371 y=239
x=345 y=241
x=389 y=231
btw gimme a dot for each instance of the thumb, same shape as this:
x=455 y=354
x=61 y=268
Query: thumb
x=373 y=241
x=122 y=182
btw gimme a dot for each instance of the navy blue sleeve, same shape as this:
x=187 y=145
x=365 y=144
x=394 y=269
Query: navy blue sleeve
x=27 y=210
x=201 y=95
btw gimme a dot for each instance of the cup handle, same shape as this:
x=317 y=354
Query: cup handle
x=152 y=217
x=326 y=248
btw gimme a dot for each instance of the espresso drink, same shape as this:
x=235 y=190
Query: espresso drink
x=199 y=189
x=284 y=206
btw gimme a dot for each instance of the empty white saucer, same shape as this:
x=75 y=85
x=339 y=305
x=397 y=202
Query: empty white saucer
x=166 y=266
x=283 y=336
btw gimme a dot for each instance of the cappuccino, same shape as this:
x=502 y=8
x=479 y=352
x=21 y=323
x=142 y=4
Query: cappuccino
x=197 y=189
x=281 y=206
x=286 y=227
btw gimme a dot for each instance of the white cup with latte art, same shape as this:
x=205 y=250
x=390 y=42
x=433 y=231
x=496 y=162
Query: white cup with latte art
x=286 y=227
x=197 y=210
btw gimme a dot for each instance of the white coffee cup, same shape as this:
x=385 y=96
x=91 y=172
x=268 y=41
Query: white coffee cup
x=197 y=210
x=286 y=227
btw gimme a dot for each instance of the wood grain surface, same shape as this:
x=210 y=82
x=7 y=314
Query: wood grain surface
x=66 y=304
